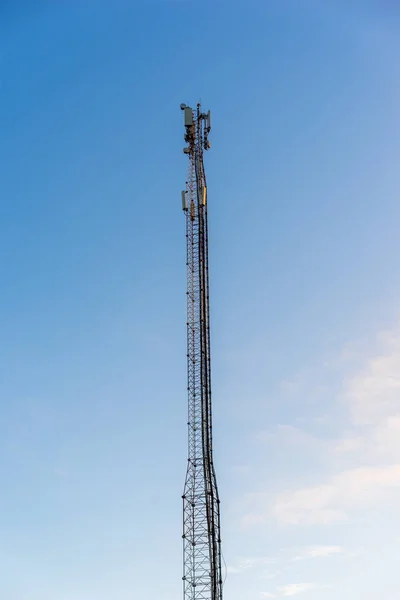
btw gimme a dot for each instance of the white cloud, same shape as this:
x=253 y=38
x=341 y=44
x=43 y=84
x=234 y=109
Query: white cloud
x=266 y=595
x=373 y=393
x=318 y=552
x=355 y=489
x=354 y=474
x=289 y=435
x=363 y=462
x=273 y=567
x=292 y=589
x=375 y=445
x=246 y=564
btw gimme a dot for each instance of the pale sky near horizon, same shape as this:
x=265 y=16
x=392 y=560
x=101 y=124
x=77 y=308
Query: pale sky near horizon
x=304 y=218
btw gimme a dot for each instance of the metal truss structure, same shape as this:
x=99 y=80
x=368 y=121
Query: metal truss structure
x=202 y=575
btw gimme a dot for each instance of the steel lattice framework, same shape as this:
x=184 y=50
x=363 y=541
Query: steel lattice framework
x=201 y=505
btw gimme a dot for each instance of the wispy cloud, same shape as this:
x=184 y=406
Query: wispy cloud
x=292 y=589
x=249 y=563
x=274 y=567
x=335 y=500
x=372 y=394
x=318 y=552
x=290 y=435
x=362 y=465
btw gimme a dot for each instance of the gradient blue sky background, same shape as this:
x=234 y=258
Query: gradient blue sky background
x=304 y=181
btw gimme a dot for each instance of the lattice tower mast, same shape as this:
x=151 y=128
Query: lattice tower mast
x=202 y=577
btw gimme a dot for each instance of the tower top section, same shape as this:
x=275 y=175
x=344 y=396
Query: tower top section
x=197 y=128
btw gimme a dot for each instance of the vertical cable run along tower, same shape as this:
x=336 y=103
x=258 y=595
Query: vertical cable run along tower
x=202 y=577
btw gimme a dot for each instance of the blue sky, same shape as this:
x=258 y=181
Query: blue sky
x=303 y=193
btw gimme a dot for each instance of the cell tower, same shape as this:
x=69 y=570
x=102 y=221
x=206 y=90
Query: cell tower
x=202 y=577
